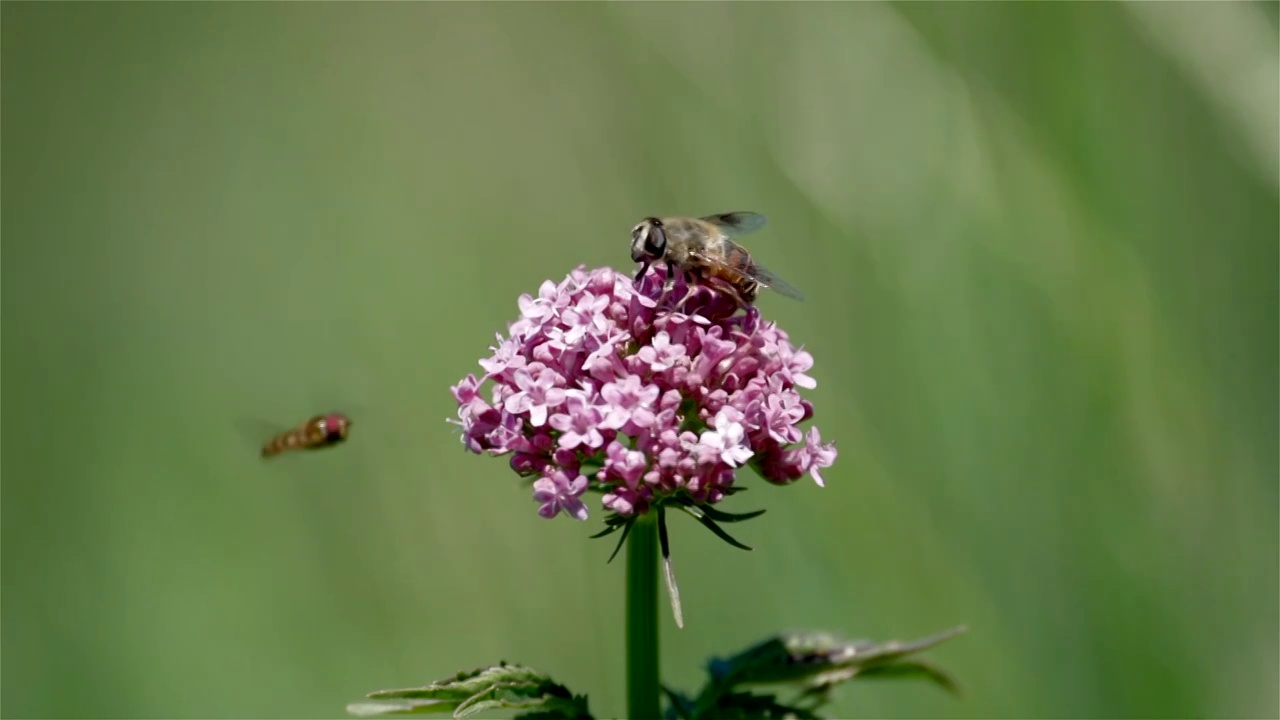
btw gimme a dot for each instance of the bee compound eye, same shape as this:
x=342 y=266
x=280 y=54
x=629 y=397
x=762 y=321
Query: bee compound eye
x=656 y=241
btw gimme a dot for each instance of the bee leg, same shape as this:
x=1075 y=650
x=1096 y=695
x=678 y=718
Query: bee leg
x=690 y=286
x=667 y=285
x=644 y=267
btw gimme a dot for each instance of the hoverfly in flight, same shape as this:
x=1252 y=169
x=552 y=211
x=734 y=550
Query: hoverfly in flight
x=321 y=431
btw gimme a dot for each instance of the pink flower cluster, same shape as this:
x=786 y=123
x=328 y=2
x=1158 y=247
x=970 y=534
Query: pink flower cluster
x=645 y=393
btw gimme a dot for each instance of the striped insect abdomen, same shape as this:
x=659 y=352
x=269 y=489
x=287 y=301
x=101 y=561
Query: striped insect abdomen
x=310 y=435
x=740 y=279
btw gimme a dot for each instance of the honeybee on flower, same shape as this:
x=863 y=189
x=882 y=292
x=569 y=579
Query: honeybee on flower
x=703 y=249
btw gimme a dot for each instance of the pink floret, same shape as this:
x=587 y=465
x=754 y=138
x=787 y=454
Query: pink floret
x=609 y=382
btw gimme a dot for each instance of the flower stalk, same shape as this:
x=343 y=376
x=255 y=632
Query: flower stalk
x=643 y=684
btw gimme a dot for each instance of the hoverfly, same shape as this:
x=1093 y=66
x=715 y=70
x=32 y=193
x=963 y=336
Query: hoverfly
x=320 y=431
x=702 y=249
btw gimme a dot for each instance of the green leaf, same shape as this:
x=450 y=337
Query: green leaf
x=815 y=663
x=682 y=706
x=748 y=706
x=500 y=687
x=913 y=669
x=403 y=707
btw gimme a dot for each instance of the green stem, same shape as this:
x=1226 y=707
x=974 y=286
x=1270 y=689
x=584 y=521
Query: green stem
x=643 y=688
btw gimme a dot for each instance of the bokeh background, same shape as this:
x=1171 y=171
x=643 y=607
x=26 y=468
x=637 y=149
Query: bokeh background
x=1039 y=244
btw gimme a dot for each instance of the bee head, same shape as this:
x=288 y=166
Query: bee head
x=648 y=240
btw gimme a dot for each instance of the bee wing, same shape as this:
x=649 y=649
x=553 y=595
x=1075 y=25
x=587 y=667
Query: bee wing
x=737 y=223
x=751 y=268
x=768 y=279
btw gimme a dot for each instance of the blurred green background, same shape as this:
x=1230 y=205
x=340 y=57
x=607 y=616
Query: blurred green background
x=1039 y=244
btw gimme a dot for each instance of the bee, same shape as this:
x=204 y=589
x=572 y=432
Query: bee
x=703 y=249
x=320 y=431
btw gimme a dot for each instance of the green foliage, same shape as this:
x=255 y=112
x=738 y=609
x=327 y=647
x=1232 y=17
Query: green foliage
x=740 y=706
x=813 y=664
x=501 y=687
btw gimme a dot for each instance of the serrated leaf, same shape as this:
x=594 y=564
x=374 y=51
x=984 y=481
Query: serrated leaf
x=748 y=706
x=468 y=683
x=816 y=663
x=500 y=687
x=865 y=652
x=911 y=669
x=398 y=707
x=548 y=715
x=682 y=706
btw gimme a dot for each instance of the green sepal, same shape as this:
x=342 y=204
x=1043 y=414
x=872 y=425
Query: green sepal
x=703 y=513
x=484 y=690
x=626 y=530
x=728 y=517
x=701 y=516
x=612 y=524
